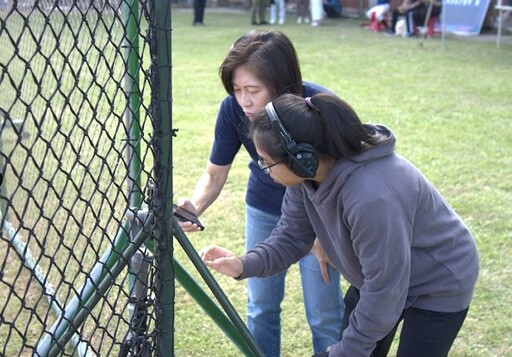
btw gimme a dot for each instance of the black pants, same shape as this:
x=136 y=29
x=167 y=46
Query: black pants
x=419 y=15
x=413 y=18
x=199 y=6
x=424 y=333
x=409 y=22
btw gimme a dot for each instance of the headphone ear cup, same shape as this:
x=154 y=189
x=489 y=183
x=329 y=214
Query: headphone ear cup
x=304 y=161
x=303 y=157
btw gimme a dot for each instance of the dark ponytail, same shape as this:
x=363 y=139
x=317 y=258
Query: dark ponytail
x=325 y=121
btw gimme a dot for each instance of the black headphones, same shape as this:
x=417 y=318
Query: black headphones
x=303 y=157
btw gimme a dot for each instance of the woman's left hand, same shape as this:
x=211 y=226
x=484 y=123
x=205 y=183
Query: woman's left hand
x=319 y=253
x=222 y=260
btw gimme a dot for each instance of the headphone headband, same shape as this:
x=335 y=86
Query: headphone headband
x=285 y=136
x=303 y=157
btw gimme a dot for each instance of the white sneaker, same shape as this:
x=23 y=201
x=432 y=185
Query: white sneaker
x=299 y=20
x=306 y=20
x=281 y=22
x=315 y=23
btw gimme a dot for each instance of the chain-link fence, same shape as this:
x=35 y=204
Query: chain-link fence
x=85 y=126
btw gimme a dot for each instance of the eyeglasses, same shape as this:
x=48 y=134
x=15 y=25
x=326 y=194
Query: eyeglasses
x=266 y=169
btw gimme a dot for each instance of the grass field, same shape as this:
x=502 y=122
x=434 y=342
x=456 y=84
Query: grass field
x=450 y=109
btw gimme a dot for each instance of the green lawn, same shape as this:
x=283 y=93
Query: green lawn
x=450 y=108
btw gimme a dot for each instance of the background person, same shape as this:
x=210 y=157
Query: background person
x=199 y=6
x=332 y=8
x=405 y=10
x=406 y=253
x=258 y=68
x=419 y=15
x=277 y=11
x=317 y=12
x=414 y=12
x=303 y=14
x=380 y=11
x=258 y=12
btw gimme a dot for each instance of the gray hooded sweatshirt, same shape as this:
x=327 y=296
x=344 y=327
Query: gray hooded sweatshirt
x=387 y=230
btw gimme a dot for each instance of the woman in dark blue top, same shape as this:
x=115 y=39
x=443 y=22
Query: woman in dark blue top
x=259 y=67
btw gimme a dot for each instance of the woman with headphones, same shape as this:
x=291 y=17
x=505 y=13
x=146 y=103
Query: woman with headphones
x=406 y=253
x=259 y=67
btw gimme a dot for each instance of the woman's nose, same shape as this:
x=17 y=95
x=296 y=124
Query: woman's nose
x=246 y=100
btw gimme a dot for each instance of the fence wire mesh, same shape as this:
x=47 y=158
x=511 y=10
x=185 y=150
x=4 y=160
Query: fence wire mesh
x=72 y=167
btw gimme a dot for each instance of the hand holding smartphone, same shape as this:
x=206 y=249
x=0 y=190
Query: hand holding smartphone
x=183 y=215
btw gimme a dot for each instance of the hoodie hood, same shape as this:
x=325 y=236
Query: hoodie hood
x=384 y=148
x=346 y=167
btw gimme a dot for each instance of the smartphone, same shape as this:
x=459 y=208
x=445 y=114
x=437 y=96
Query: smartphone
x=183 y=215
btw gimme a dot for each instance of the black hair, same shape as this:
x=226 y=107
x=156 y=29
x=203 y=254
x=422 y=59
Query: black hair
x=327 y=122
x=271 y=57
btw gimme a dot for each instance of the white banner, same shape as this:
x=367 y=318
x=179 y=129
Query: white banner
x=465 y=17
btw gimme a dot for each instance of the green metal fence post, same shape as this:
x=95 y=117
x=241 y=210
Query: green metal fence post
x=132 y=112
x=98 y=282
x=3 y=203
x=135 y=340
x=251 y=344
x=160 y=44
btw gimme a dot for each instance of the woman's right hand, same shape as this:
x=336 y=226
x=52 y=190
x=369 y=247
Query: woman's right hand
x=189 y=206
x=222 y=260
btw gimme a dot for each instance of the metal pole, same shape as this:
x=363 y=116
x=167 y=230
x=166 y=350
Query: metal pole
x=216 y=290
x=28 y=260
x=135 y=341
x=443 y=24
x=425 y=23
x=132 y=92
x=207 y=304
x=95 y=287
x=216 y=314
x=3 y=197
x=161 y=79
